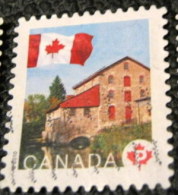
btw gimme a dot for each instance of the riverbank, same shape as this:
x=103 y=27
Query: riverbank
x=114 y=139
x=109 y=141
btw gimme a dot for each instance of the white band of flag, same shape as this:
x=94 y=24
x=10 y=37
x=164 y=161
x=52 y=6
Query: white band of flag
x=53 y=48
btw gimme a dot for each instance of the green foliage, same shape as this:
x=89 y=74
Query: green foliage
x=57 y=89
x=35 y=108
x=31 y=131
x=114 y=139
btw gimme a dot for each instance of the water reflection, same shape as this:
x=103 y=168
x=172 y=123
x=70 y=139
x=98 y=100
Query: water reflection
x=66 y=157
x=57 y=157
x=45 y=157
x=103 y=150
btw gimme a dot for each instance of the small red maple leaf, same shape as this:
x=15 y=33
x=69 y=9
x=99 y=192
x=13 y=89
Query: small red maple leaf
x=136 y=156
x=55 y=47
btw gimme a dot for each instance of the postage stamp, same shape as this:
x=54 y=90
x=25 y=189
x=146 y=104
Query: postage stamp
x=89 y=104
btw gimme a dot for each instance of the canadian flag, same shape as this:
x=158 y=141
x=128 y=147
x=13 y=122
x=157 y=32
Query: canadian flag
x=52 y=48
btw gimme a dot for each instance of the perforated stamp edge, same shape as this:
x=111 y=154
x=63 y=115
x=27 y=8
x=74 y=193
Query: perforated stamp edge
x=106 y=177
x=1 y=32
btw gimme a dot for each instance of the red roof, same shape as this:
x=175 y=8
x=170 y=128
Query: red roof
x=89 y=98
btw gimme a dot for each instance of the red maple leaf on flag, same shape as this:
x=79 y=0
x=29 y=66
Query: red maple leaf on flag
x=55 y=47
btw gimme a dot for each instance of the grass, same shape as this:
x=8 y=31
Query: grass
x=114 y=140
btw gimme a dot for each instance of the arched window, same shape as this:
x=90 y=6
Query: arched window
x=127 y=81
x=110 y=79
x=111 y=94
x=141 y=79
x=127 y=96
x=111 y=112
x=142 y=93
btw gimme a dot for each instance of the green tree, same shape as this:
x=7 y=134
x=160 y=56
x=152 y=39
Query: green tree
x=57 y=89
x=35 y=108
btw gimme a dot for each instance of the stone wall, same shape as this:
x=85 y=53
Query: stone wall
x=87 y=85
x=69 y=123
x=143 y=111
x=118 y=72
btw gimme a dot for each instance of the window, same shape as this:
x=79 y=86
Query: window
x=72 y=112
x=111 y=112
x=86 y=112
x=128 y=113
x=111 y=94
x=141 y=79
x=110 y=79
x=127 y=96
x=127 y=81
x=142 y=93
x=126 y=66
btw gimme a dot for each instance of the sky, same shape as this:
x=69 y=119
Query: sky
x=112 y=41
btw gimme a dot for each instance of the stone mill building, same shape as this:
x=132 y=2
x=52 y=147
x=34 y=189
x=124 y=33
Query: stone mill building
x=118 y=94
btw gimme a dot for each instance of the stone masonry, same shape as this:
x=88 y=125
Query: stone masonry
x=124 y=99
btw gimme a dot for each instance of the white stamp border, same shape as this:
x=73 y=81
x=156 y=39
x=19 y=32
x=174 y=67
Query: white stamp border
x=86 y=177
